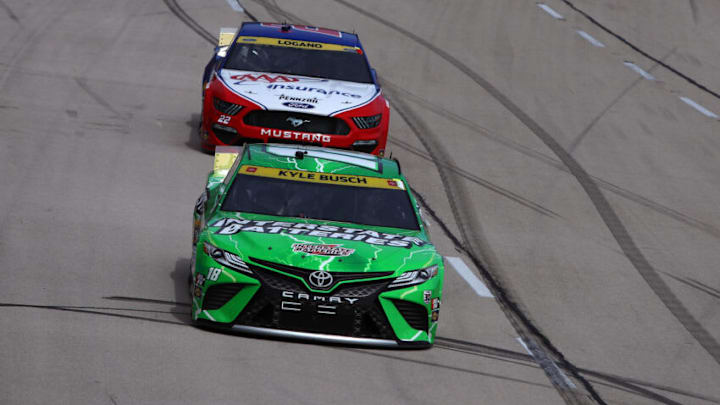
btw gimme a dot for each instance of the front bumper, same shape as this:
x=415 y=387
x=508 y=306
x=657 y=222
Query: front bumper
x=358 y=312
x=218 y=129
x=312 y=337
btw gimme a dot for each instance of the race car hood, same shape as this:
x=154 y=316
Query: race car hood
x=322 y=245
x=298 y=93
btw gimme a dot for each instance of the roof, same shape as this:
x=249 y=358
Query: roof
x=320 y=160
x=300 y=32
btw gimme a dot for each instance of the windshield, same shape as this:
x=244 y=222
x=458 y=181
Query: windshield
x=299 y=199
x=336 y=65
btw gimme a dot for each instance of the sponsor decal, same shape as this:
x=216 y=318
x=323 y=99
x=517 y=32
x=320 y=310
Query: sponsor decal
x=295 y=135
x=322 y=250
x=435 y=304
x=295 y=104
x=326 y=178
x=297 y=43
x=285 y=97
x=198 y=282
x=231 y=226
x=248 y=77
x=318 y=298
x=426 y=296
x=309 y=89
x=435 y=315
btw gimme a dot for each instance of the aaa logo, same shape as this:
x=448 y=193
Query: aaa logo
x=264 y=78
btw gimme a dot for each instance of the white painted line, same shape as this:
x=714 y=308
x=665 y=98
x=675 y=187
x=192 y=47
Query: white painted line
x=639 y=71
x=548 y=365
x=590 y=39
x=467 y=274
x=235 y=5
x=554 y=14
x=700 y=108
x=522 y=342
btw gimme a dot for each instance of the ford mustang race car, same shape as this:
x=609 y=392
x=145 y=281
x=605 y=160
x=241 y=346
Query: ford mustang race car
x=311 y=243
x=292 y=84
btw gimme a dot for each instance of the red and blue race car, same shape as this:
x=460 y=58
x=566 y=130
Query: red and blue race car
x=285 y=83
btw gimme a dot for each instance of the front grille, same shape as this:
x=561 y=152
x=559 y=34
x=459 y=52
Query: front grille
x=297 y=122
x=219 y=294
x=415 y=315
x=284 y=302
x=278 y=281
x=357 y=290
x=305 y=273
x=365 y=320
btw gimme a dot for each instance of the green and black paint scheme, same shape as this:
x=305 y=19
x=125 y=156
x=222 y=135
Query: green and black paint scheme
x=335 y=272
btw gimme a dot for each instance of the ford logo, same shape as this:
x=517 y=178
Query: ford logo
x=295 y=104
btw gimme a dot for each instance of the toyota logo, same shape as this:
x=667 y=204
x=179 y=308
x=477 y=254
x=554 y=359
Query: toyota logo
x=321 y=279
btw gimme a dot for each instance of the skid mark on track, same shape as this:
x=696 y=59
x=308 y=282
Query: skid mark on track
x=447 y=367
x=602 y=206
x=581 y=136
x=84 y=310
x=192 y=24
x=626 y=384
x=576 y=142
x=640 y=51
x=9 y=12
x=479 y=181
x=694 y=10
x=82 y=83
x=691 y=282
x=148 y=300
x=479 y=250
x=541 y=157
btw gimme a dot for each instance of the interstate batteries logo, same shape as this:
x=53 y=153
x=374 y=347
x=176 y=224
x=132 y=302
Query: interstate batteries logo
x=321 y=250
x=231 y=226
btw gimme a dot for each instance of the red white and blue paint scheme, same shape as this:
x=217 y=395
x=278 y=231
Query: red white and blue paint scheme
x=283 y=83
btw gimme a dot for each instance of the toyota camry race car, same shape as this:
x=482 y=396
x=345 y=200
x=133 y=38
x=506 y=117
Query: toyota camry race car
x=311 y=243
x=292 y=84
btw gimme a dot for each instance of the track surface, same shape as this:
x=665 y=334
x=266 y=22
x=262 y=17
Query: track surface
x=575 y=173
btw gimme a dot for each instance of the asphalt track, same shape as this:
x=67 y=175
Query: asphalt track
x=567 y=152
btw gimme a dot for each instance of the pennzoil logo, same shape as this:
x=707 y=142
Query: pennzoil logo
x=321 y=250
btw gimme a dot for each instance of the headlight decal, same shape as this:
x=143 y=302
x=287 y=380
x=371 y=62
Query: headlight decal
x=414 y=277
x=226 y=107
x=367 y=122
x=226 y=258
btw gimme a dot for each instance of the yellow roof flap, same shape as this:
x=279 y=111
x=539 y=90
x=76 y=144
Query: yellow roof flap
x=226 y=36
x=224 y=158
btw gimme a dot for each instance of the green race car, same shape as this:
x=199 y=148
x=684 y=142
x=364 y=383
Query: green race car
x=312 y=243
